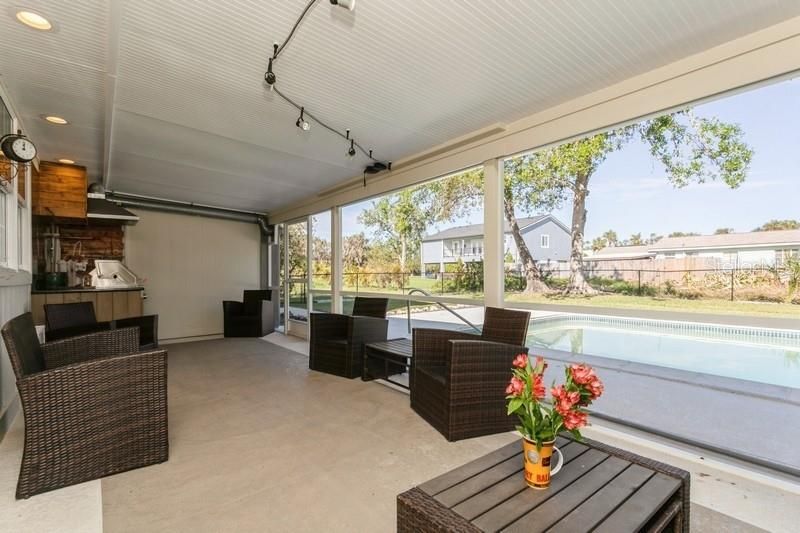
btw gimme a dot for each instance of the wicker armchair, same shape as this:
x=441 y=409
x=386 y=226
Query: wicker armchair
x=93 y=405
x=337 y=341
x=458 y=379
x=69 y=320
x=254 y=316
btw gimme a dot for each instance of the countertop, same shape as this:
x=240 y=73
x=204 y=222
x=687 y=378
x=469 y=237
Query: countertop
x=87 y=289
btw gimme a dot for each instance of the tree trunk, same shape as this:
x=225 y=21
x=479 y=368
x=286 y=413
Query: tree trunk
x=577 y=282
x=533 y=278
x=403 y=253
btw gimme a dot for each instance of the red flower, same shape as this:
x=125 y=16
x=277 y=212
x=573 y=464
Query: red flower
x=538 y=387
x=540 y=361
x=515 y=387
x=564 y=400
x=582 y=374
x=521 y=361
x=595 y=388
x=574 y=419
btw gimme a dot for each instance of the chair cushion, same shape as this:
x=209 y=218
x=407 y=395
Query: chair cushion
x=23 y=346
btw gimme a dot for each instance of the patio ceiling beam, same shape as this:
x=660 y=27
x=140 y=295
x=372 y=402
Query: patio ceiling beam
x=112 y=70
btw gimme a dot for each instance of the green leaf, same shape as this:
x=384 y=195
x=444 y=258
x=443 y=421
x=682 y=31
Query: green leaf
x=514 y=404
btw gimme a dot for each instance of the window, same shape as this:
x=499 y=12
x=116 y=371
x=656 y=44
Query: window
x=476 y=247
x=545 y=240
x=6 y=126
x=782 y=256
x=456 y=248
x=3 y=226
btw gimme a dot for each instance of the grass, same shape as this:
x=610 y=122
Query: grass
x=713 y=306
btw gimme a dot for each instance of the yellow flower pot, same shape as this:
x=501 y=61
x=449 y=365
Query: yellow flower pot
x=538 y=469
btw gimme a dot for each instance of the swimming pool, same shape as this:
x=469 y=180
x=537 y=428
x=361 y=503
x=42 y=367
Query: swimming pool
x=754 y=354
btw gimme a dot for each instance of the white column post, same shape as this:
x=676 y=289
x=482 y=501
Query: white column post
x=493 y=274
x=336 y=260
x=309 y=267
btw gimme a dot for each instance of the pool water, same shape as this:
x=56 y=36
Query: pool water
x=754 y=354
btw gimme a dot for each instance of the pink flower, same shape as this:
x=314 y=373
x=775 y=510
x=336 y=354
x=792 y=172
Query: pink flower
x=515 y=387
x=540 y=361
x=582 y=374
x=564 y=400
x=538 y=387
x=574 y=419
x=521 y=361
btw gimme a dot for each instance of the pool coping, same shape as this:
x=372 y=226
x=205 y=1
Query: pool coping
x=755 y=321
x=764 y=391
x=729 y=385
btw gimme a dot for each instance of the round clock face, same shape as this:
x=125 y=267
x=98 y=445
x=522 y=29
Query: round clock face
x=23 y=150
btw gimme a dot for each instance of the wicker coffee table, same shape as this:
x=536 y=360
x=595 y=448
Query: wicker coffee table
x=387 y=358
x=600 y=488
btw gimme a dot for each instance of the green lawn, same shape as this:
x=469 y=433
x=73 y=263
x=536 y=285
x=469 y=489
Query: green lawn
x=782 y=310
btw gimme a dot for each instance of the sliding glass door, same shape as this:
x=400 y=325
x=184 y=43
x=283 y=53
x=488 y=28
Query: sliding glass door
x=296 y=296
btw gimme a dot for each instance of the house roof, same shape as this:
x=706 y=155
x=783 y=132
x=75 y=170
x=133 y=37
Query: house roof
x=728 y=240
x=474 y=230
x=622 y=252
x=753 y=239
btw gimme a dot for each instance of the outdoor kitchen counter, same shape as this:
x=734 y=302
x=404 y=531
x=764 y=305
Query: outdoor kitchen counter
x=86 y=289
x=109 y=303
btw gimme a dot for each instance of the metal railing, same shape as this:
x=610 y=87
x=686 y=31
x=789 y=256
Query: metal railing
x=440 y=304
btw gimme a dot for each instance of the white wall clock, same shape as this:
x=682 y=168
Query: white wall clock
x=18 y=147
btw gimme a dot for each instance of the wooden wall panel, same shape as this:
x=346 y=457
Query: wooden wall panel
x=120 y=304
x=89 y=297
x=59 y=190
x=135 y=303
x=72 y=297
x=57 y=298
x=37 y=308
x=104 y=310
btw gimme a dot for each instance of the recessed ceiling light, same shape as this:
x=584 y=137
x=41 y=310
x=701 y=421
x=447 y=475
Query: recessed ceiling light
x=55 y=120
x=34 y=20
x=66 y=161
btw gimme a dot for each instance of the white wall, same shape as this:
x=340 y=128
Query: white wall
x=191 y=264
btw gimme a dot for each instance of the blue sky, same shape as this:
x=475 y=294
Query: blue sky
x=630 y=194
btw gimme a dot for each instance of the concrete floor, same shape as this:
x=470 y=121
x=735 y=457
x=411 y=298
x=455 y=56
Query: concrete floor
x=260 y=443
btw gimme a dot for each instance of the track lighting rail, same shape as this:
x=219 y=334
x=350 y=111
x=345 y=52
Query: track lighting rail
x=271 y=79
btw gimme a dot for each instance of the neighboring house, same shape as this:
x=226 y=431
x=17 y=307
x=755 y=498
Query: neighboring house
x=548 y=240
x=732 y=250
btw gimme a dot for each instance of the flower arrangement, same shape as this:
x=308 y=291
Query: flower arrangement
x=526 y=391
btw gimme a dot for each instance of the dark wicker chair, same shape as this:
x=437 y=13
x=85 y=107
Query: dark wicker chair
x=337 y=341
x=69 y=320
x=458 y=379
x=254 y=316
x=93 y=405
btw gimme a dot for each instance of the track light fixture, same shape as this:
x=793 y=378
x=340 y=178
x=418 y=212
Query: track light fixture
x=347 y=4
x=269 y=77
x=302 y=123
x=375 y=165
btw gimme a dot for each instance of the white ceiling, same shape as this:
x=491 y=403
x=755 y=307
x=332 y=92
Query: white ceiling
x=171 y=91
